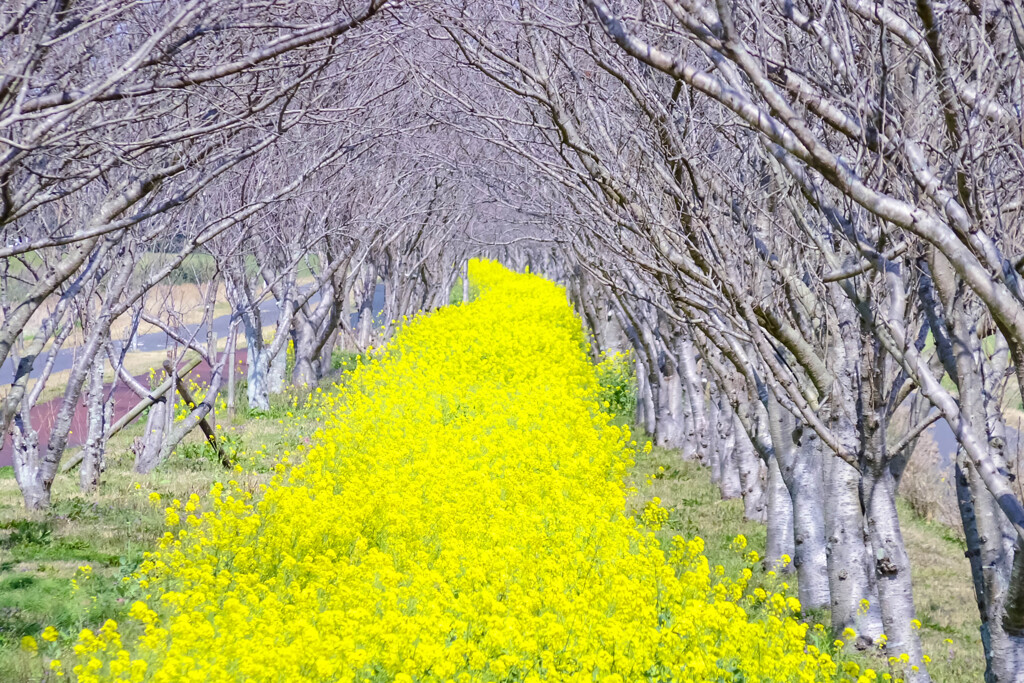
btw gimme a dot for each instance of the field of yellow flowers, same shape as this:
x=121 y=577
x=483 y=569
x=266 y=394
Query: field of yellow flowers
x=460 y=517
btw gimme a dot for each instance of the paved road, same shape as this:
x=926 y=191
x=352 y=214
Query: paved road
x=44 y=415
x=159 y=341
x=946 y=442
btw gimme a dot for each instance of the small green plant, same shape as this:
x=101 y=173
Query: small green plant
x=26 y=532
x=617 y=381
x=289 y=358
x=75 y=509
x=455 y=296
x=346 y=361
x=203 y=451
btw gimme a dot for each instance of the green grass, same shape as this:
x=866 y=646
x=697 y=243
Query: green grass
x=943 y=591
x=40 y=552
x=455 y=295
x=343 y=360
x=19 y=279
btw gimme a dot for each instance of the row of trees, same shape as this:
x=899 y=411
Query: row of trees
x=805 y=218
x=802 y=216
x=263 y=147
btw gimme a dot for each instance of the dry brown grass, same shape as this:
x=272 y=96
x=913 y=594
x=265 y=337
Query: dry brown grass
x=928 y=487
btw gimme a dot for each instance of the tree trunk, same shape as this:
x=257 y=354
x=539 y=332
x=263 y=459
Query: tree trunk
x=807 y=490
x=990 y=536
x=96 y=441
x=892 y=568
x=965 y=503
x=28 y=469
x=195 y=418
x=1008 y=660
x=305 y=373
x=729 y=484
x=277 y=369
x=694 y=391
x=852 y=582
x=327 y=353
x=752 y=473
x=645 y=415
x=780 y=521
x=231 y=351
x=799 y=455
x=257 y=388
x=148 y=455
x=713 y=457
x=669 y=429
x=990 y=571
x=366 y=309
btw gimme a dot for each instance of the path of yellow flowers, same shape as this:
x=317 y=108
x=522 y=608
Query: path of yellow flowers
x=461 y=517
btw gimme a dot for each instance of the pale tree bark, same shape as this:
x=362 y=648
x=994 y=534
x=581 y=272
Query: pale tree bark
x=752 y=475
x=892 y=566
x=990 y=537
x=671 y=428
x=693 y=389
x=878 y=491
x=715 y=453
x=781 y=541
x=25 y=447
x=92 y=454
x=277 y=366
x=852 y=579
x=799 y=456
x=366 y=296
x=232 y=362
x=147 y=456
x=728 y=457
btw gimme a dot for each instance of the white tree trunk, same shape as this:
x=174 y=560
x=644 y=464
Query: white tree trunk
x=147 y=457
x=729 y=484
x=799 y=456
x=96 y=441
x=753 y=475
x=28 y=470
x=670 y=429
x=694 y=389
x=780 y=520
x=257 y=390
x=232 y=346
x=276 y=372
x=892 y=568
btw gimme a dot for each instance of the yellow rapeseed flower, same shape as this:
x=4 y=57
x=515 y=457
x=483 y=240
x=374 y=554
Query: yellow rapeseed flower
x=460 y=515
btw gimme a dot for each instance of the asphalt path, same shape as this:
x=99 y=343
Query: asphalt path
x=44 y=415
x=159 y=341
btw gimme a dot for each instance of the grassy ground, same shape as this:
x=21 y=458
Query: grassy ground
x=942 y=581
x=40 y=553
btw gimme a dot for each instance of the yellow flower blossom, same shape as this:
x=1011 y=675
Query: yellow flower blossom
x=29 y=644
x=460 y=515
